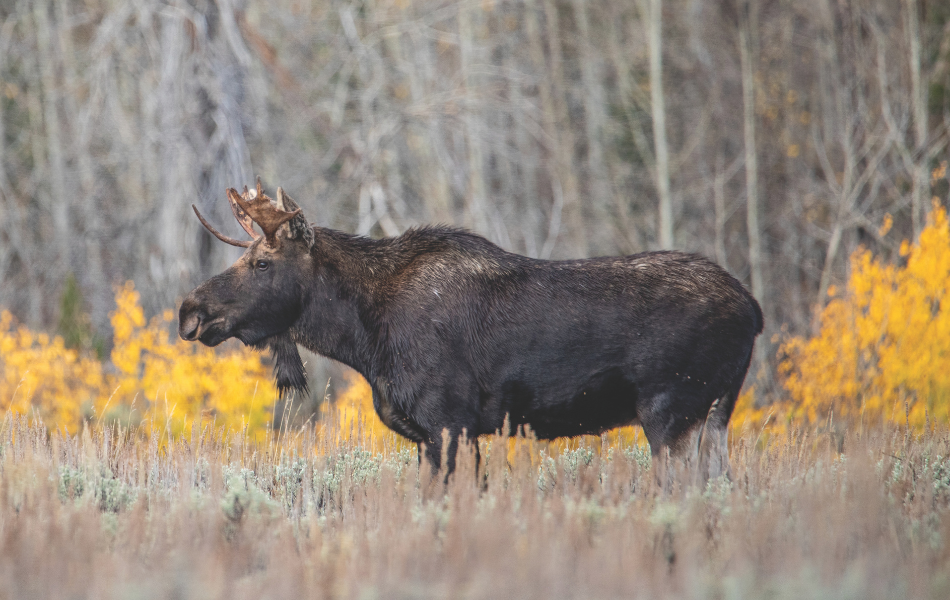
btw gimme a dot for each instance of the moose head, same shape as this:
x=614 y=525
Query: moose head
x=257 y=299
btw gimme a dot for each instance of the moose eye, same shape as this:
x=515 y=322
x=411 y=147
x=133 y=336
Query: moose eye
x=262 y=265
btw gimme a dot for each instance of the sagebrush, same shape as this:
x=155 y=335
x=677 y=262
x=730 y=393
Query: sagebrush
x=325 y=514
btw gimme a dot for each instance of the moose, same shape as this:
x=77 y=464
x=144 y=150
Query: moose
x=456 y=334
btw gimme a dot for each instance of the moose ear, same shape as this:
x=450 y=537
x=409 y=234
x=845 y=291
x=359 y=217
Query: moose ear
x=296 y=228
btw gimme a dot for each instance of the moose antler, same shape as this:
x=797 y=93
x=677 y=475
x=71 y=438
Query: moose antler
x=242 y=217
x=219 y=235
x=262 y=210
x=256 y=207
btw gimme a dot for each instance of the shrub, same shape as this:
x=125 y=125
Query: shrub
x=883 y=349
x=39 y=374
x=173 y=380
x=154 y=377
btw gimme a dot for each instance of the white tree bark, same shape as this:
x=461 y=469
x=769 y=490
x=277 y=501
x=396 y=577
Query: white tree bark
x=566 y=215
x=599 y=194
x=658 y=104
x=58 y=203
x=921 y=187
x=476 y=202
x=747 y=59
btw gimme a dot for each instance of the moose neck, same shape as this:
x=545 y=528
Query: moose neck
x=343 y=299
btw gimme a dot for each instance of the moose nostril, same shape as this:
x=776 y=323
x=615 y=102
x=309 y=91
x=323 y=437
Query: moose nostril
x=188 y=325
x=188 y=330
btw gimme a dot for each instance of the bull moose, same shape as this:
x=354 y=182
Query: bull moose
x=453 y=333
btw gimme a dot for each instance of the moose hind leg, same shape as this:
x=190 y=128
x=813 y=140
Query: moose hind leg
x=714 y=443
x=674 y=438
x=679 y=461
x=714 y=453
x=685 y=424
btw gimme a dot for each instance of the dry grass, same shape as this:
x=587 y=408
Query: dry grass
x=109 y=514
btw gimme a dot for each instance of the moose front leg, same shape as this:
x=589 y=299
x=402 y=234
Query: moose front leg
x=441 y=452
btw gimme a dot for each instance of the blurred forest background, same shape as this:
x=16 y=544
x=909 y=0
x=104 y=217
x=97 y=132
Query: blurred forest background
x=774 y=136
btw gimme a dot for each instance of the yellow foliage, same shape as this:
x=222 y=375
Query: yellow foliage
x=883 y=350
x=40 y=374
x=747 y=414
x=155 y=378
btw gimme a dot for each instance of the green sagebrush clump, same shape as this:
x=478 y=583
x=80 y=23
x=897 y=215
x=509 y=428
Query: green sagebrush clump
x=97 y=485
x=932 y=469
x=243 y=496
x=300 y=485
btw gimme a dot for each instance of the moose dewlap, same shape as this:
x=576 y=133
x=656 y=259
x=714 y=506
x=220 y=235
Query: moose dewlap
x=454 y=333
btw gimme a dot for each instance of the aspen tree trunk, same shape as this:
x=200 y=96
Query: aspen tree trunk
x=42 y=286
x=476 y=206
x=746 y=53
x=58 y=202
x=629 y=94
x=426 y=141
x=526 y=185
x=567 y=209
x=919 y=107
x=11 y=223
x=559 y=166
x=594 y=117
x=90 y=274
x=747 y=24
x=661 y=151
x=719 y=204
x=164 y=254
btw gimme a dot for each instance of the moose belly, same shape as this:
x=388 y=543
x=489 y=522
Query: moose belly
x=391 y=416
x=602 y=402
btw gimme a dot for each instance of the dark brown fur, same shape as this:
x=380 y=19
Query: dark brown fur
x=455 y=333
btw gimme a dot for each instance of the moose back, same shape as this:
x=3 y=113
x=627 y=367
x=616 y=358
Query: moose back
x=453 y=333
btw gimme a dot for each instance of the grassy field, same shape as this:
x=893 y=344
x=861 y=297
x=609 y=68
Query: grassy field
x=322 y=513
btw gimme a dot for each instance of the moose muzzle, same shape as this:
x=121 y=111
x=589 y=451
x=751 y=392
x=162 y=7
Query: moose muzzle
x=190 y=317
